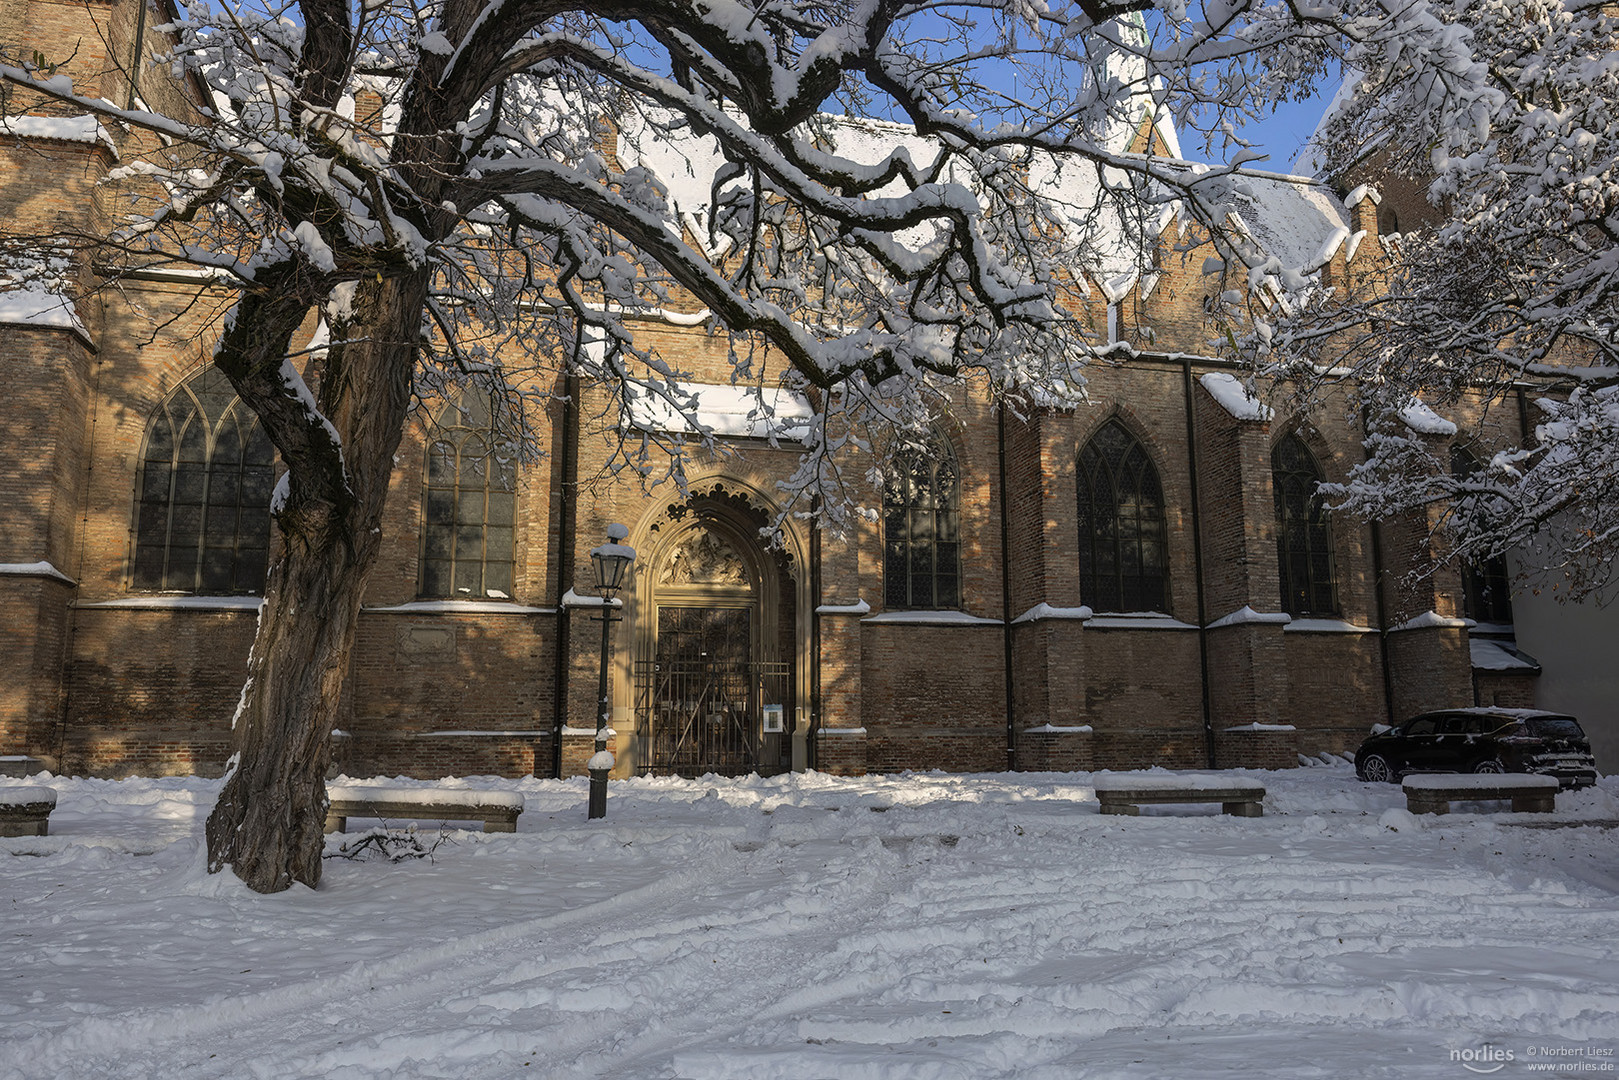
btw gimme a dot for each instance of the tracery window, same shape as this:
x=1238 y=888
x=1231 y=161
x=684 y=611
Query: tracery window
x=202 y=522
x=470 y=505
x=921 y=530
x=1486 y=586
x=1123 y=563
x=1303 y=532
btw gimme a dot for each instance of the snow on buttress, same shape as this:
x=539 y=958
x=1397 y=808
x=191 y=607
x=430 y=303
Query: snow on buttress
x=995 y=927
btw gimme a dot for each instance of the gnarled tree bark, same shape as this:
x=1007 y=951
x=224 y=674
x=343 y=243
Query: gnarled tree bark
x=268 y=823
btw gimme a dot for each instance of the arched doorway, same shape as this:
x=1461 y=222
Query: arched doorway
x=714 y=685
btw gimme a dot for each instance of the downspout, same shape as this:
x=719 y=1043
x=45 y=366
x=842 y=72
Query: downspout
x=1006 y=589
x=135 y=60
x=1377 y=583
x=1197 y=565
x=810 y=737
x=566 y=542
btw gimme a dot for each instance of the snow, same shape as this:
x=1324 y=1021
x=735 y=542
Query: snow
x=1363 y=191
x=84 y=129
x=738 y=412
x=601 y=759
x=1429 y=619
x=932 y=618
x=1235 y=396
x=1325 y=626
x=1246 y=614
x=26 y=795
x=177 y=602
x=1257 y=726
x=459 y=607
x=1043 y=610
x=445 y=794
x=992 y=927
x=859 y=607
x=573 y=599
x=1417 y=416
x=1162 y=778
x=1146 y=620
x=39 y=307
x=1433 y=781
x=34 y=569
x=1055 y=729
x=1492 y=656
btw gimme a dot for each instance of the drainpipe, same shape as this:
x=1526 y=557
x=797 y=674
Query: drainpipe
x=1377 y=582
x=1197 y=564
x=810 y=740
x=567 y=527
x=1006 y=589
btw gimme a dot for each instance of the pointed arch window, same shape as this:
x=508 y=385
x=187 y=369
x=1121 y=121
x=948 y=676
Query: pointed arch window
x=1303 y=531
x=202 y=522
x=1486 y=586
x=470 y=505
x=1123 y=562
x=921 y=530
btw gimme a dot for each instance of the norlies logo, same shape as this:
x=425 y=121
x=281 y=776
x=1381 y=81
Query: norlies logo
x=1485 y=1059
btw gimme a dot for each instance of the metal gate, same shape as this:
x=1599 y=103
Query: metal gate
x=704 y=716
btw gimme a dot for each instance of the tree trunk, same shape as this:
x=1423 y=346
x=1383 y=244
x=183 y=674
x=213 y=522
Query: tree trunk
x=269 y=821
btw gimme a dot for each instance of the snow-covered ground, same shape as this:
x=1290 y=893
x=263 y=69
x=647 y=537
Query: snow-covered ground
x=886 y=928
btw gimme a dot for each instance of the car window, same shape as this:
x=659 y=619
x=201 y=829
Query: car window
x=1422 y=725
x=1454 y=725
x=1555 y=727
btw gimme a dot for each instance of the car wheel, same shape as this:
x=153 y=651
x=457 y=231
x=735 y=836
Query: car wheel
x=1491 y=765
x=1376 y=769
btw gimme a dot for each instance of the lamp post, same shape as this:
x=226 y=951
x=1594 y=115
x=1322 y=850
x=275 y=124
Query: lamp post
x=611 y=562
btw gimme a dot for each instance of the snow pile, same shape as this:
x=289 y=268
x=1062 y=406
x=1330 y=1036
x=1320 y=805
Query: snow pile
x=992 y=927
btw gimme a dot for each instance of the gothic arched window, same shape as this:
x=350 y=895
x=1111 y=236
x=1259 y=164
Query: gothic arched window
x=921 y=530
x=1123 y=563
x=202 y=522
x=1486 y=587
x=1303 y=532
x=470 y=505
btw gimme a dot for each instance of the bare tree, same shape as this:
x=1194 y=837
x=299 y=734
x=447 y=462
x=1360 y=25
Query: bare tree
x=487 y=217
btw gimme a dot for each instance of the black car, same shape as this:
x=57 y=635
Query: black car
x=1480 y=740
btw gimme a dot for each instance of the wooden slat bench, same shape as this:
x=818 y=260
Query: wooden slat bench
x=25 y=811
x=497 y=810
x=1432 y=793
x=1127 y=793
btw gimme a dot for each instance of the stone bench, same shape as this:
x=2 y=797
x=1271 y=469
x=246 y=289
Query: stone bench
x=1432 y=793
x=497 y=810
x=1127 y=794
x=25 y=811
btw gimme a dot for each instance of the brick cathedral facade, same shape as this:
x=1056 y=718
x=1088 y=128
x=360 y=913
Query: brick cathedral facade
x=1143 y=580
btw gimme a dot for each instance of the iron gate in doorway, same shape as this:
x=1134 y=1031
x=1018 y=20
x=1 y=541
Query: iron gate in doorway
x=704 y=716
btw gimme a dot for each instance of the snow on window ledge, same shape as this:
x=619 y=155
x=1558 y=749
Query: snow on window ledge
x=177 y=602
x=571 y=599
x=932 y=618
x=1247 y=614
x=458 y=607
x=859 y=607
x=1326 y=626
x=1044 y=610
x=34 y=569
x=1430 y=619
x=1136 y=620
x=1053 y=729
x=1257 y=726
x=841 y=731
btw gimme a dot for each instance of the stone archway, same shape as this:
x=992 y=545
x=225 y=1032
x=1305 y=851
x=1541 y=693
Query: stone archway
x=714 y=686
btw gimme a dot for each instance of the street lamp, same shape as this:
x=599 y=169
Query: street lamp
x=611 y=561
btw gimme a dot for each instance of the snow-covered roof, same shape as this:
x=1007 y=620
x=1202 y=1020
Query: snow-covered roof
x=1235 y=397
x=1493 y=656
x=738 y=412
x=81 y=129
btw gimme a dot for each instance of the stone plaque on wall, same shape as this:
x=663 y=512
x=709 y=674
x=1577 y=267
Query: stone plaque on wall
x=420 y=643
